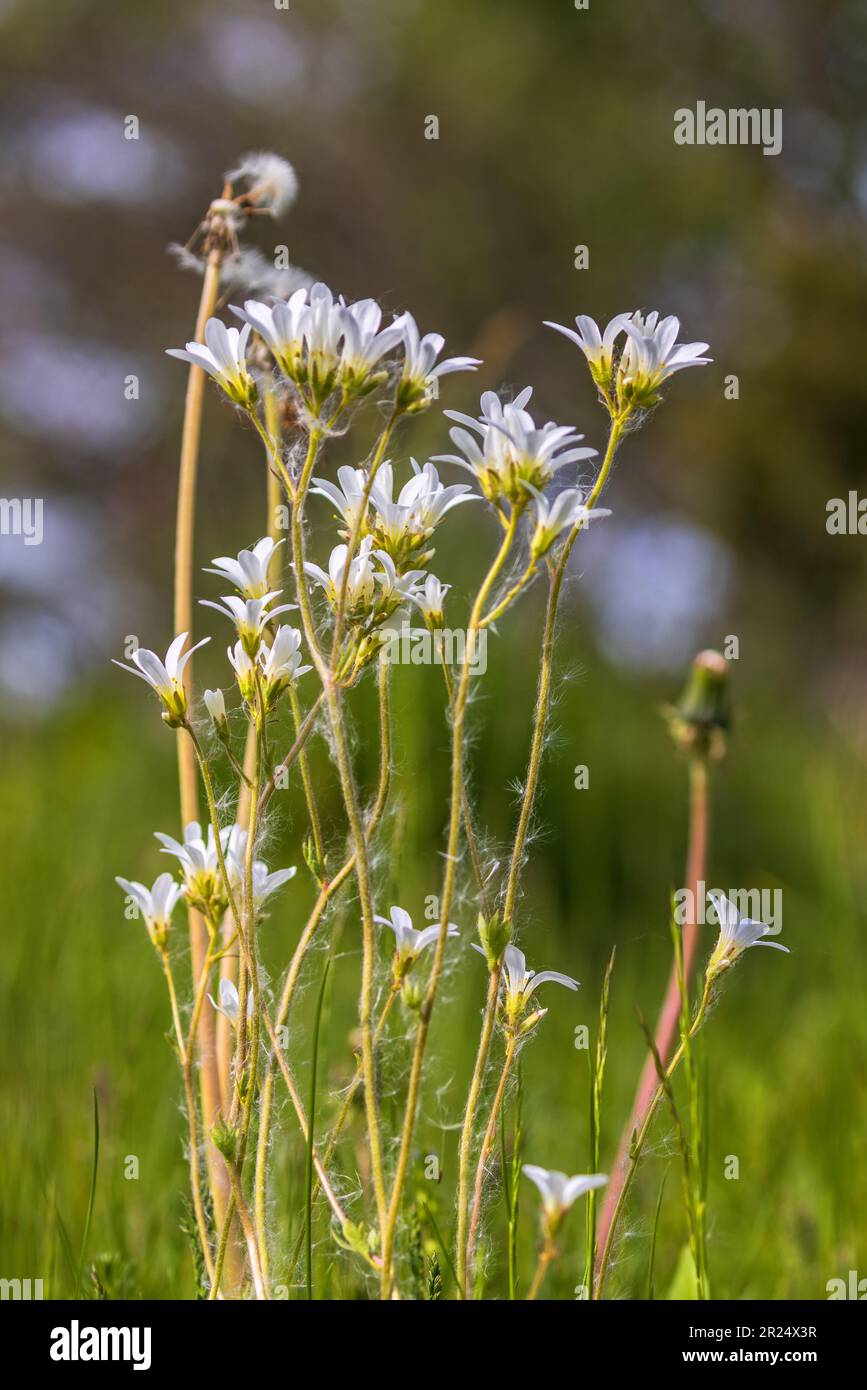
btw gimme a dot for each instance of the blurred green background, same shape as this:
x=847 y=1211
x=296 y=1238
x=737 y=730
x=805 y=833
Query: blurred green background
x=555 y=130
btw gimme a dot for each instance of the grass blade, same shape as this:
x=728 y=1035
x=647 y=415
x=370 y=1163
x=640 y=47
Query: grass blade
x=92 y=1197
x=311 y=1121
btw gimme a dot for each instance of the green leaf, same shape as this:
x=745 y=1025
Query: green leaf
x=684 y=1285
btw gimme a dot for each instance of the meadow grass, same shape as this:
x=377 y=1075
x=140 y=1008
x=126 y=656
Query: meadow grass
x=84 y=1008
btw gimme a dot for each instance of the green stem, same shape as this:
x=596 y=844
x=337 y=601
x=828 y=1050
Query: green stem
x=639 y=1142
x=486 y=1150
x=546 y=1257
x=307 y=782
x=465 y=1150
x=457 y=790
x=543 y=699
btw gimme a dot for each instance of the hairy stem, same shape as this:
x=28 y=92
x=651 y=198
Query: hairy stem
x=638 y=1143
x=531 y=782
x=209 y=1081
x=457 y=793
x=666 y=1028
x=190 y=1101
x=486 y=1151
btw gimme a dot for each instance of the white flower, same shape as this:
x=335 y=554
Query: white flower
x=554 y=516
x=421 y=372
x=323 y=328
x=512 y=450
x=215 y=704
x=265 y=884
x=421 y=503
x=165 y=677
x=364 y=346
x=410 y=943
x=402 y=528
x=361 y=584
x=155 y=904
x=251 y=616
x=230 y=1005
x=430 y=599
x=222 y=357
x=244 y=667
x=559 y=1192
x=281 y=663
x=271 y=182
x=249 y=570
x=200 y=866
x=374 y=590
x=348 y=496
x=196 y=855
x=737 y=934
x=234 y=850
x=652 y=354
x=395 y=589
x=598 y=347
x=519 y=982
x=281 y=327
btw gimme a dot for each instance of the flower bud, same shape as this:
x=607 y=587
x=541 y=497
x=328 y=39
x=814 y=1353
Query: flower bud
x=216 y=707
x=495 y=936
x=225 y=1139
x=701 y=719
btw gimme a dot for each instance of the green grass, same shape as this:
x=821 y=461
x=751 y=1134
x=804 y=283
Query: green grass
x=83 y=1004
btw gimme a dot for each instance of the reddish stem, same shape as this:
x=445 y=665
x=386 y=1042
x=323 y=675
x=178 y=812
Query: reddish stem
x=669 y=1017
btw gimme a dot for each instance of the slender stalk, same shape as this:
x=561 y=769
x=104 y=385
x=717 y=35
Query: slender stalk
x=465 y=1149
x=543 y=700
x=209 y=1082
x=185 y=1056
x=457 y=792
x=638 y=1146
x=311 y=1113
x=272 y=495
x=249 y=1233
x=511 y=1186
x=276 y=1052
x=283 y=766
x=597 y=1075
x=667 y=1024
x=307 y=782
x=467 y=814
x=362 y=873
x=327 y=892
x=509 y=597
x=486 y=1150
x=356 y=824
x=547 y=1255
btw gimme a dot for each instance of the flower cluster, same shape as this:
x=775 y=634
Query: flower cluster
x=400 y=526
x=322 y=344
x=374 y=593
x=266 y=658
x=630 y=373
x=202 y=884
x=505 y=450
x=302 y=363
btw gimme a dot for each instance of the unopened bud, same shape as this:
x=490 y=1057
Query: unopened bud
x=495 y=935
x=702 y=717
